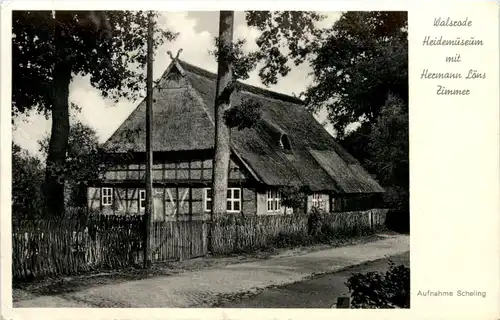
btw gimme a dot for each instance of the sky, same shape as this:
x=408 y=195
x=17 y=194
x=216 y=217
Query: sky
x=196 y=37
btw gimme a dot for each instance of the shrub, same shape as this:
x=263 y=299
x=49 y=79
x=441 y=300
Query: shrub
x=378 y=290
x=27 y=179
x=294 y=197
x=315 y=222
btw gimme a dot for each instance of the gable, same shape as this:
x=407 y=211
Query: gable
x=180 y=120
x=173 y=80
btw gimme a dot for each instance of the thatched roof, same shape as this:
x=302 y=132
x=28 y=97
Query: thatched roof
x=183 y=120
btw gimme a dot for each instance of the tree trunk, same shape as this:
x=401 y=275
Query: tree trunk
x=58 y=143
x=221 y=157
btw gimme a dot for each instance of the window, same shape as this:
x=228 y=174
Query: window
x=233 y=200
x=208 y=199
x=107 y=196
x=142 y=199
x=273 y=201
x=318 y=201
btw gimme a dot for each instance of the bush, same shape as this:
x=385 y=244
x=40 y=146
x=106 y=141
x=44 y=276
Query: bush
x=27 y=179
x=378 y=290
x=315 y=223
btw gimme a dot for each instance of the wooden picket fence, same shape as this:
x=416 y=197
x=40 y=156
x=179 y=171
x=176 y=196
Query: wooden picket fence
x=231 y=234
x=86 y=242
x=241 y=233
x=74 y=245
x=94 y=242
x=179 y=240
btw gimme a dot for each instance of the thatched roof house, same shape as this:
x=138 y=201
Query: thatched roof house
x=287 y=146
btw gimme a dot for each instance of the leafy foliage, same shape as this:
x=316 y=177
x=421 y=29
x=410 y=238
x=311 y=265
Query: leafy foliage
x=241 y=62
x=294 y=31
x=49 y=47
x=360 y=76
x=294 y=196
x=248 y=112
x=384 y=148
x=356 y=63
x=27 y=179
x=315 y=222
x=244 y=115
x=86 y=160
x=389 y=143
x=102 y=44
x=296 y=26
x=377 y=290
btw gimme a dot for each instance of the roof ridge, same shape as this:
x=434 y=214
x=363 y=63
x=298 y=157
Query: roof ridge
x=246 y=87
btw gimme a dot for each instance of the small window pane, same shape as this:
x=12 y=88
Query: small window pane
x=236 y=206
x=229 y=205
x=106 y=196
x=229 y=196
x=236 y=193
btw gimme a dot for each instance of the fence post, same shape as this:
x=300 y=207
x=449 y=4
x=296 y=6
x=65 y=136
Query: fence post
x=371 y=219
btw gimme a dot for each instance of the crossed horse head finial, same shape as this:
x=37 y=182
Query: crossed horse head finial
x=172 y=57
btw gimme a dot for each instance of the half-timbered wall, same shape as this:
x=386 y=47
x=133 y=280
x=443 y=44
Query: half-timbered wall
x=169 y=203
x=179 y=191
x=268 y=203
x=178 y=171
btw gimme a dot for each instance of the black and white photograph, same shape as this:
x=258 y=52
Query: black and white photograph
x=210 y=159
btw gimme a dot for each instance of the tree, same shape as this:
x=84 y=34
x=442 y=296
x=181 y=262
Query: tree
x=49 y=48
x=294 y=31
x=388 y=148
x=362 y=59
x=222 y=104
x=383 y=146
x=235 y=65
x=356 y=62
x=389 y=144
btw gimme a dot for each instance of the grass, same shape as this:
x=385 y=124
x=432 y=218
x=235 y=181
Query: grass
x=62 y=285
